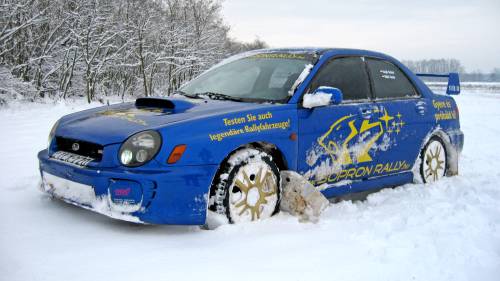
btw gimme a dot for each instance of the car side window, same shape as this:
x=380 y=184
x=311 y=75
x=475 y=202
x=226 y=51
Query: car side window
x=347 y=74
x=389 y=81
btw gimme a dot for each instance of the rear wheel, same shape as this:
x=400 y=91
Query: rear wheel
x=434 y=161
x=248 y=188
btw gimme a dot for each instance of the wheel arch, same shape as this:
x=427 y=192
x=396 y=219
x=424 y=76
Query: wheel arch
x=278 y=157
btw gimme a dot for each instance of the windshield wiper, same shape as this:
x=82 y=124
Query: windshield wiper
x=179 y=92
x=215 y=96
x=192 y=96
x=218 y=96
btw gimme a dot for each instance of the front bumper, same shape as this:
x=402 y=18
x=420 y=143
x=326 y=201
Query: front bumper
x=166 y=195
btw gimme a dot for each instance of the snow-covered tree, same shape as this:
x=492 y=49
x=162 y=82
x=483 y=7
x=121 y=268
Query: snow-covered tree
x=97 y=48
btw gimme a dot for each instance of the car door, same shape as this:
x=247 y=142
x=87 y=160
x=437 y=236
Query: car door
x=403 y=116
x=329 y=148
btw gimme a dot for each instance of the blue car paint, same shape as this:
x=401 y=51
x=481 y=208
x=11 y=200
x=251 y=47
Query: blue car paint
x=178 y=193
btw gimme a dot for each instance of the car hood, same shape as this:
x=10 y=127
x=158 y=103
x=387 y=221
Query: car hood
x=115 y=123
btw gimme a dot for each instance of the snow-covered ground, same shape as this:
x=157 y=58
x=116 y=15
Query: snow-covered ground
x=446 y=231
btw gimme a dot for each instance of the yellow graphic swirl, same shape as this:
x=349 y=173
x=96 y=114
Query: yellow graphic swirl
x=340 y=151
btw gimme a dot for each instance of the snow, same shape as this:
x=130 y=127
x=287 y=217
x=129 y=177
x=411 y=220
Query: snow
x=303 y=75
x=12 y=88
x=469 y=87
x=70 y=190
x=449 y=230
x=316 y=99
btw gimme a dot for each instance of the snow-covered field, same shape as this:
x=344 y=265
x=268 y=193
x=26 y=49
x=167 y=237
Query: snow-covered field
x=445 y=231
x=480 y=88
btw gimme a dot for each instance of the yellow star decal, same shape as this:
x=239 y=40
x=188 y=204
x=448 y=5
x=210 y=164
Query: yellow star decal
x=386 y=118
x=399 y=115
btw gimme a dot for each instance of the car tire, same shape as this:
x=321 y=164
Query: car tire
x=247 y=188
x=434 y=160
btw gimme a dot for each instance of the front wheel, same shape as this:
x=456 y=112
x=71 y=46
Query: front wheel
x=248 y=188
x=434 y=161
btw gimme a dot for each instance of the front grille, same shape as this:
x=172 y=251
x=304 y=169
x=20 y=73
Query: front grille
x=79 y=147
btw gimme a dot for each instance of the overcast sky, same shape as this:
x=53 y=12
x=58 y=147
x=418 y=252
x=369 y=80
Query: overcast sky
x=466 y=30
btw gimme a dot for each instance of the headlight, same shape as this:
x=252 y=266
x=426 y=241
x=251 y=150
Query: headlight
x=52 y=133
x=140 y=148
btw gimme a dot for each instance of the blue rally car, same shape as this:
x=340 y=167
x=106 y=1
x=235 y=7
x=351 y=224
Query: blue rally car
x=347 y=120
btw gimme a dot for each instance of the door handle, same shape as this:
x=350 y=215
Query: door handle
x=366 y=112
x=421 y=107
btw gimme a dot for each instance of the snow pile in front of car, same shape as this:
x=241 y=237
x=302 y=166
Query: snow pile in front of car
x=78 y=195
x=214 y=220
x=102 y=205
x=300 y=198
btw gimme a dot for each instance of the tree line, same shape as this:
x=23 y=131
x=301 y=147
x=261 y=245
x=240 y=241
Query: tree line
x=98 y=48
x=451 y=65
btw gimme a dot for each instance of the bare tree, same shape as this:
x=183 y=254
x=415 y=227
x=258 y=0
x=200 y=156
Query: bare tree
x=97 y=48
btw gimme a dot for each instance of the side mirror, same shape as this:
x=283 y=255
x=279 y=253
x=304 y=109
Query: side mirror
x=336 y=93
x=323 y=96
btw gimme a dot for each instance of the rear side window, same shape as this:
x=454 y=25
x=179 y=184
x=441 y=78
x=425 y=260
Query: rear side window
x=347 y=74
x=389 y=81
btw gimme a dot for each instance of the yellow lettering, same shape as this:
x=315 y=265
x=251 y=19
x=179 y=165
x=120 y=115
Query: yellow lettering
x=369 y=170
x=360 y=172
x=342 y=174
x=234 y=121
x=265 y=116
x=350 y=173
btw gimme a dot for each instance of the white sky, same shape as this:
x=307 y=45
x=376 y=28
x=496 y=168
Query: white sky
x=466 y=30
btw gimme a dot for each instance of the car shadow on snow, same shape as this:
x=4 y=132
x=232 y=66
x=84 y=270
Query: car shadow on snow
x=358 y=196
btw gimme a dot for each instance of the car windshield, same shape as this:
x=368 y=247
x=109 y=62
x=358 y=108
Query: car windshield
x=260 y=77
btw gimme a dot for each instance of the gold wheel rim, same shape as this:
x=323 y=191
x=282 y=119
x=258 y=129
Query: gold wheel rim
x=258 y=193
x=434 y=162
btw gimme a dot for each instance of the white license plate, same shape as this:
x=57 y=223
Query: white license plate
x=72 y=158
x=70 y=190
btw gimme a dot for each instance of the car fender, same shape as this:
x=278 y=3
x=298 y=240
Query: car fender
x=210 y=140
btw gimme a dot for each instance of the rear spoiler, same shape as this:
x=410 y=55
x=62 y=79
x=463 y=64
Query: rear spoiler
x=453 y=81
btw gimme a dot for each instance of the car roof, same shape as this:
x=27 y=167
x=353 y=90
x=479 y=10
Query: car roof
x=323 y=50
